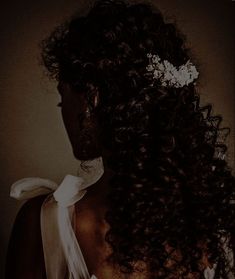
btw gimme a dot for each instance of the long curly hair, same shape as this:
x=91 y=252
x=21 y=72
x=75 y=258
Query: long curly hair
x=172 y=194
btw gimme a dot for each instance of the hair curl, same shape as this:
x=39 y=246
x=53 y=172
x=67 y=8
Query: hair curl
x=171 y=186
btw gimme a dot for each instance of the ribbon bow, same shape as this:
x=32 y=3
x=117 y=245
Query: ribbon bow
x=71 y=190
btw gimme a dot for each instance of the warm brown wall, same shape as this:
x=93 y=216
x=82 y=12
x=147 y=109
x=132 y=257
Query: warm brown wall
x=33 y=139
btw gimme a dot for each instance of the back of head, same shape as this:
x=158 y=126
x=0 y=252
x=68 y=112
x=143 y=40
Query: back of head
x=172 y=186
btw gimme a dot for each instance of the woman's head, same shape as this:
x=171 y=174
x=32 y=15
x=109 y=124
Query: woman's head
x=80 y=123
x=105 y=52
x=169 y=187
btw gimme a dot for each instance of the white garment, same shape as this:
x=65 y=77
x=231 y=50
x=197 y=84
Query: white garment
x=62 y=254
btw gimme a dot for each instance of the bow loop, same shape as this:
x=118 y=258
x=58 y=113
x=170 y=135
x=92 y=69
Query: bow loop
x=31 y=187
x=66 y=194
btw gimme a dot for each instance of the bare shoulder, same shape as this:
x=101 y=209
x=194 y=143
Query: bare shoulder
x=25 y=252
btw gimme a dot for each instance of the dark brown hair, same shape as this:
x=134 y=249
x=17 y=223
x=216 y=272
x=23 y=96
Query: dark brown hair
x=171 y=185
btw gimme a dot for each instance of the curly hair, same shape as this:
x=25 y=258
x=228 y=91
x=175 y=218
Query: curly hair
x=172 y=193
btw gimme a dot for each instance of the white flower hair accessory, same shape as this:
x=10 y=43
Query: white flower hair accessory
x=168 y=74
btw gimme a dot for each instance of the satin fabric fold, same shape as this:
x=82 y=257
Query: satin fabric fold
x=62 y=254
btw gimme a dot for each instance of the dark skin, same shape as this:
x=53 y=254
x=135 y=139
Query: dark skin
x=25 y=253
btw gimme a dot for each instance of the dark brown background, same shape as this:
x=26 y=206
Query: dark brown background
x=33 y=139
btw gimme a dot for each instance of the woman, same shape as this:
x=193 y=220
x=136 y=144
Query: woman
x=157 y=200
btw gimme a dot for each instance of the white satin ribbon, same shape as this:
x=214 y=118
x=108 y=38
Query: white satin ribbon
x=59 y=241
x=30 y=187
x=70 y=191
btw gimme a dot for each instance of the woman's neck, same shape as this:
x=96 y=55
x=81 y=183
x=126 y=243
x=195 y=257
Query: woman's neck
x=101 y=188
x=96 y=178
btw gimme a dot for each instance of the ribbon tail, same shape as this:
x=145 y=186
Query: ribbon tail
x=73 y=254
